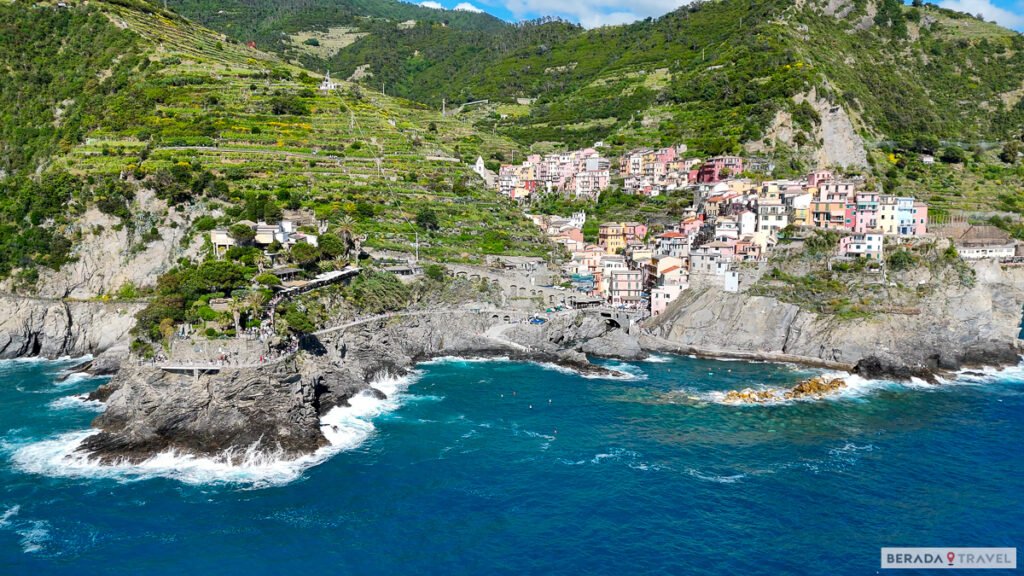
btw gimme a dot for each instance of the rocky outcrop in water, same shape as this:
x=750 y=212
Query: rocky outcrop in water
x=812 y=388
x=276 y=409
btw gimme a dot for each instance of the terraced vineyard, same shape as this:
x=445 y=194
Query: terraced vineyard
x=362 y=160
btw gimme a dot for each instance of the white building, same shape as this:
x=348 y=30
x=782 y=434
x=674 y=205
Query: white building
x=328 y=85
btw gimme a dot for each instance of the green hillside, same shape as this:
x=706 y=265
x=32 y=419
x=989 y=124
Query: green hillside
x=120 y=95
x=715 y=74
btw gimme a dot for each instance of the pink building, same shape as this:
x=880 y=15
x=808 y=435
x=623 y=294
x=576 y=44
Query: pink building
x=816 y=178
x=920 y=218
x=634 y=231
x=711 y=171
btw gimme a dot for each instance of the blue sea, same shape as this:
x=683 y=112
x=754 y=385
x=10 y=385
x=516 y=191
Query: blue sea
x=495 y=467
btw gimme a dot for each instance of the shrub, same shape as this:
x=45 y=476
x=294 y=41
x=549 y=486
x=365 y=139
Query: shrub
x=901 y=259
x=436 y=272
x=427 y=219
x=268 y=279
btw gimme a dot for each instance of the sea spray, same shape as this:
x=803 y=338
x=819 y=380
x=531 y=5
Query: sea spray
x=345 y=427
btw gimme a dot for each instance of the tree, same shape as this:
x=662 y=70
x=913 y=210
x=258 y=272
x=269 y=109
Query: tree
x=332 y=246
x=288 y=104
x=1010 y=153
x=304 y=254
x=242 y=234
x=220 y=276
x=272 y=213
x=427 y=219
x=298 y=320
x=953 y=155
x=268 y=279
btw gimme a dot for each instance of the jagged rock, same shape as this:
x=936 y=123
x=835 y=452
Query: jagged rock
x=55 y=328
x=817 y=387
x=150 y=411
x=277 y=408
x=615 y=344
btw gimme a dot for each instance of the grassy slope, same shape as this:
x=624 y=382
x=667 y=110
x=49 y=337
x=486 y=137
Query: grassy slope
x=209 y=95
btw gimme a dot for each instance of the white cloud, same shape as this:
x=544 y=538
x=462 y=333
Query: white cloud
x=467 y=7
x=432 y=4
x=987 y=9
x=593 y=13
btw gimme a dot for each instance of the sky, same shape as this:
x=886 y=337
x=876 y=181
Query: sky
x=594 y=13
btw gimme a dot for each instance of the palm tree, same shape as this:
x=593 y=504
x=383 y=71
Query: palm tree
x=255 y=300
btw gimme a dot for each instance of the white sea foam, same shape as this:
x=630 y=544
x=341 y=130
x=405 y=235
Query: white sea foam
x=717 y=478
x=857 y=387
x=463 y=360
x=77 y=378
x=345 y=427
x=653 y=358
x=77 y=402
x=5 y=518
x=34 y=535
x=42 y=360
x=617 y=374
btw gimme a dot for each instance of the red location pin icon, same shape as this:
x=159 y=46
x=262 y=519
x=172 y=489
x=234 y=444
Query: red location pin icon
x=950 y=556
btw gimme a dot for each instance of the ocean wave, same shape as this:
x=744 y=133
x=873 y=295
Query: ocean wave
x=630 y=458
x=617 y=374
x=345 y=427
x=77 y=378
x=43 y=360
x=989 y=375
x=34 y=536
x=716 y=478
x=5 y=518
x=655 y=359
x=77 y=402
x=439 y=360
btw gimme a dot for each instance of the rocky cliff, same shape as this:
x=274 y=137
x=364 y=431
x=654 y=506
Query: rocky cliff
x=275 y=410
x=112 y=254
x=953 y=327
x=52 y=328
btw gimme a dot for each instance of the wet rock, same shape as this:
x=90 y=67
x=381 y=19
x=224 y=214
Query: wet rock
x=812 y=388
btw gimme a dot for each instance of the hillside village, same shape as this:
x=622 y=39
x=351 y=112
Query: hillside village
x=734 y=219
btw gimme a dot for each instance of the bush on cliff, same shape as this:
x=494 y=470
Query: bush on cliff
x=376 y=292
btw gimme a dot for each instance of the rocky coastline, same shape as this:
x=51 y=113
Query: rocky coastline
x=277 y=409
x=956 y=328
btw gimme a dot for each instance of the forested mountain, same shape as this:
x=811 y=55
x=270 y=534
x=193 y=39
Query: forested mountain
x=421 y=53
x=715 y=74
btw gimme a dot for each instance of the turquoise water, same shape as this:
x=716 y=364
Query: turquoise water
x=506 y=468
